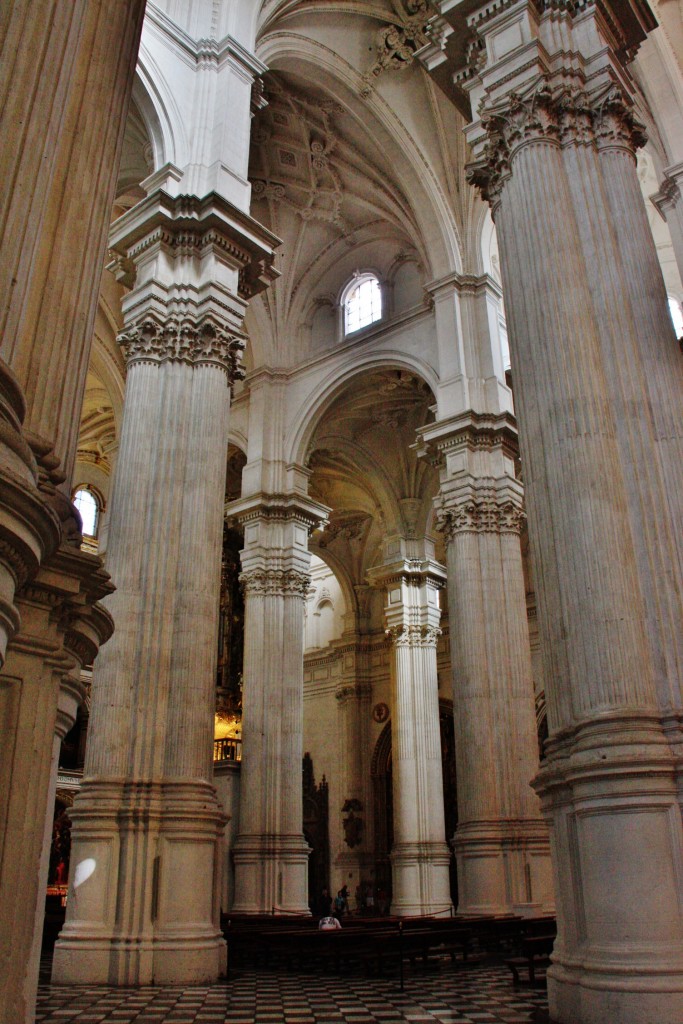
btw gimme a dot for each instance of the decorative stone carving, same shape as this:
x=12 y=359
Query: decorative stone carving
x=352 y=691
x=481 y=516
x=554 y=113
x=184 y=340
x=380 y=713
x=396 y=44
x=263 y=582
x=413 y=636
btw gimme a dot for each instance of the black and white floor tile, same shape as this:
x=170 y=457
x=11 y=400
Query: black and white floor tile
x=482 y=995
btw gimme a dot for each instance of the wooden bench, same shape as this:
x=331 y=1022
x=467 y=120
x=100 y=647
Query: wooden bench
x=534 y=958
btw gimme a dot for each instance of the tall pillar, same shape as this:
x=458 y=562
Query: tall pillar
x=598 y=379
x=143 y=902
x=66 y=74
x=271 y=854
x=61 y=629
x=420 y=855
x=501 y=841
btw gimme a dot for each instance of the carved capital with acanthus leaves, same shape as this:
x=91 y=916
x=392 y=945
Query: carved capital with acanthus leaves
x=555 y=114
x=281 y=582
x=480 y=515
x=404 y=635
x=537 y=72
x=197 y=342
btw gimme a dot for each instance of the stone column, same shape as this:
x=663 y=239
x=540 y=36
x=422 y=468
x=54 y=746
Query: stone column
x=144 y=888
x=61 y=628
x=598 y=380
x=271 y=854
x=420 y=855
x=501 y=842
x=141 y=905
x=66 y=73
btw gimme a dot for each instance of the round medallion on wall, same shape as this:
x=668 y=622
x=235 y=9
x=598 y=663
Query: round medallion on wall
x=380 y=712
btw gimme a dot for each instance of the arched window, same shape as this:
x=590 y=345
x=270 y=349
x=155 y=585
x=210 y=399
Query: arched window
x=676 y=310
x=88 y=506
x=362 y=303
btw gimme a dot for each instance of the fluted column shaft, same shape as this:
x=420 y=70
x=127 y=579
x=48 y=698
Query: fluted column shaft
x=597 y=392
x=147 y=817
x=271 y=854
x=61 y=629
x=65 y=83
x=501 y=841
x=420 y=856
x=66 y=74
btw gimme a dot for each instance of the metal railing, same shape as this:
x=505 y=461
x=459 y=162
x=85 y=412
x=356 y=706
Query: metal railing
x=227 y=749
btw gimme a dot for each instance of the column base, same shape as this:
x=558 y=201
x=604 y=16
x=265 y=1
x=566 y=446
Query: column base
x=608 y=786
x=93 y=960
x=504 y=868
x=420 y=879
x=271 y=875
x=591 y=997
x=143 y=889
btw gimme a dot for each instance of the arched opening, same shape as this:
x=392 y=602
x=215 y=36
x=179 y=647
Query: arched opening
x=362 y=302
x=381 y=773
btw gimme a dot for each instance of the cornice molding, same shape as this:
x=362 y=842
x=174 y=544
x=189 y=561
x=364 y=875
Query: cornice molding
x=198 y=52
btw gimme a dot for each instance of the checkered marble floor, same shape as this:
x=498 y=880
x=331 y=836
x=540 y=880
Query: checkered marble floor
x=481 y=995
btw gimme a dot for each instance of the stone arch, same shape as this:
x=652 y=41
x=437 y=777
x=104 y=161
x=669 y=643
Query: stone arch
x=381 y=774
x=313 y=406
x=161 y=112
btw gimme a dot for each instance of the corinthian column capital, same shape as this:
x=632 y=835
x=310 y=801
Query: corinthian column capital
x=481 y=515
x=268 y=582
x=413 y=636
x=551 y=111
x=531 y=71
x=202 y=341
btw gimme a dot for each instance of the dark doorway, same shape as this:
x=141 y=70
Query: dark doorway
x=384 y=804
x=316 y=832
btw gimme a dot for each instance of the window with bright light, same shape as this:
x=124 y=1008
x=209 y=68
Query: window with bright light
x=676 y=310
x=89 y=509
x=363 y=304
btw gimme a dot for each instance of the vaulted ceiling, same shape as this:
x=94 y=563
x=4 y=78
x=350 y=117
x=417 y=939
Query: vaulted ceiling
x=322 y=184
x=364 y=468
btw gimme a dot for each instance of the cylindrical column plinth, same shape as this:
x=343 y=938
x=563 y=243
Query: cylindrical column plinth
x=143 y=904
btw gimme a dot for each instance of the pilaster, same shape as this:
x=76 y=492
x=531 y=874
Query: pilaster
x=420 y=856
x=353 y=696
x=271 y=854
